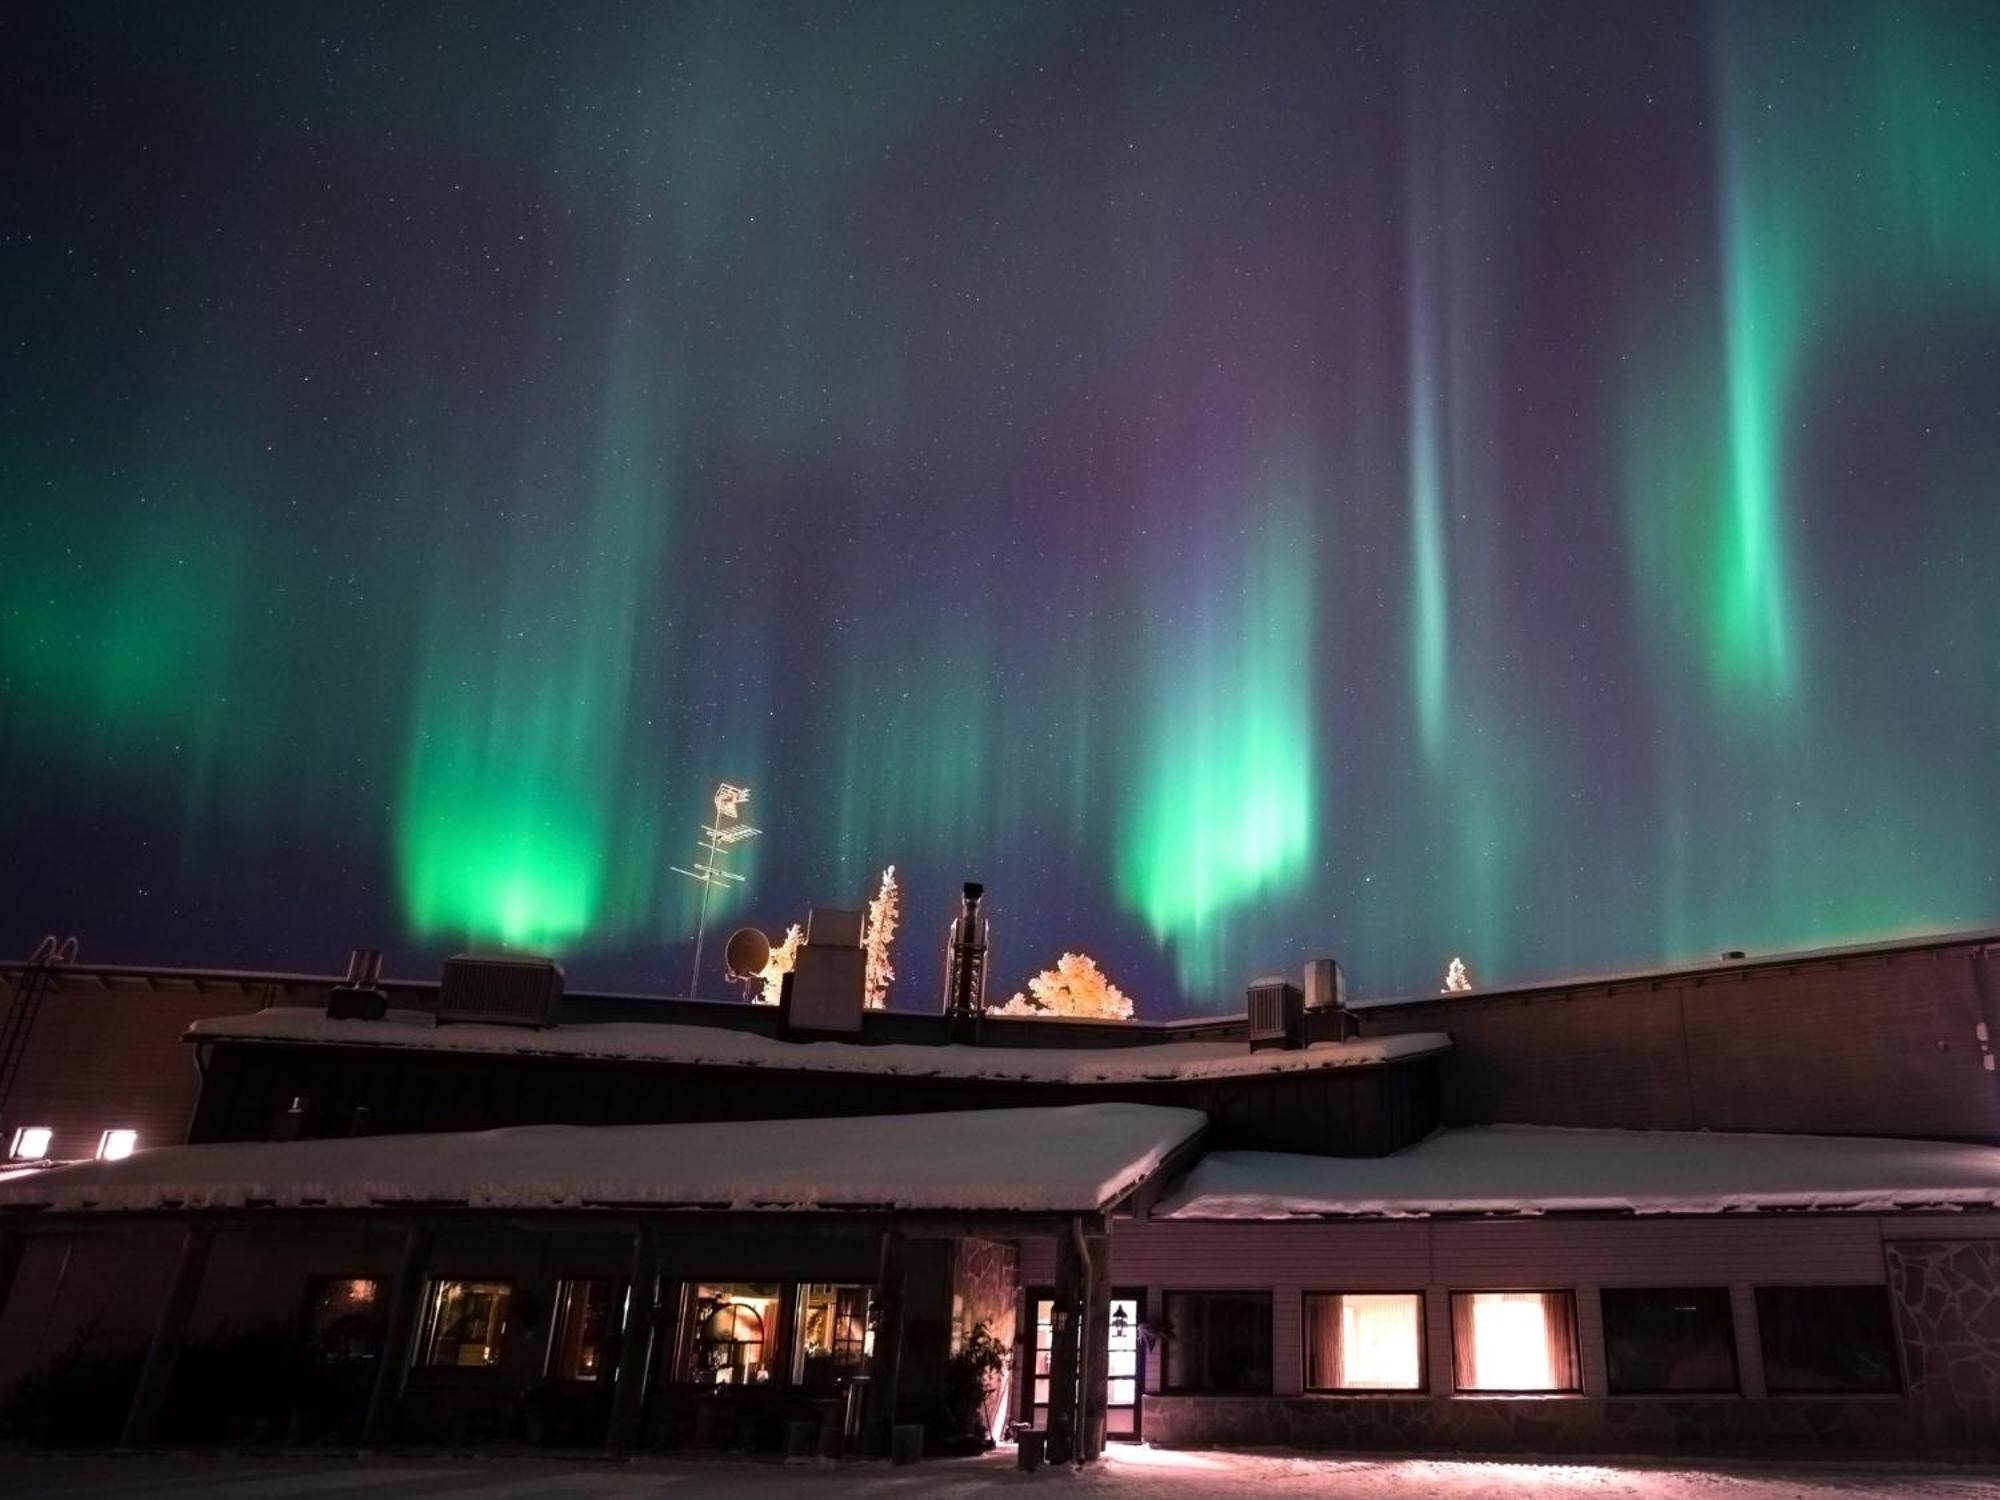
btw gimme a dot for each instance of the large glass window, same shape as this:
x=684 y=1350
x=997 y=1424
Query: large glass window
x=583 y=1343
x=1364 y=1341
x=466 y=1323
x=345 y=1318
x=1220 y=1341
x=1671 y=1339
x=735 y=1332
x=1827 y=1338
x=830 y=1341
x=1514 y=1341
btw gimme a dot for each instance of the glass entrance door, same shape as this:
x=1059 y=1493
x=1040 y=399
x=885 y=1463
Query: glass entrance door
x=1123 y=1373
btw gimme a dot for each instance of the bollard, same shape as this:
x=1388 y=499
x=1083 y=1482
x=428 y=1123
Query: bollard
x=1029 y=1445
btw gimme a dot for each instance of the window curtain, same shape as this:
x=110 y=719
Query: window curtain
x=1514 y=1341
x=1324 y=1371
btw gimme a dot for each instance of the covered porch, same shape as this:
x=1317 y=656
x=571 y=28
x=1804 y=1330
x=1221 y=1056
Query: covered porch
x=802 y=1286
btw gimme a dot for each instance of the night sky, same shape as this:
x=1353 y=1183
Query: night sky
x=1514 y=480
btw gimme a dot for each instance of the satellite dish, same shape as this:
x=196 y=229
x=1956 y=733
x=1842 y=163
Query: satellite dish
x=746 y=954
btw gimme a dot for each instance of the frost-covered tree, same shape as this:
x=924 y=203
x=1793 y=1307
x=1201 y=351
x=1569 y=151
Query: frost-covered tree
x=1457 y=978
x=882 y=914
x=1074 y=987
x=782 y=958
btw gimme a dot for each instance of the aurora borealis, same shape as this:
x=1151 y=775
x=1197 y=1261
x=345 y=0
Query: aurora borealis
x=1246 y=483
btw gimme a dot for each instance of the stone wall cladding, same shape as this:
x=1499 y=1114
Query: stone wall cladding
x=1572 y=1424
x=985 y=1288
x=1947 y=1301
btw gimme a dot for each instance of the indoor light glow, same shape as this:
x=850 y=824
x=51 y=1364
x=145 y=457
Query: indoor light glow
x=1510 y=1342
x=116 y=1145
x=31 y=1143
x=1379 y=1342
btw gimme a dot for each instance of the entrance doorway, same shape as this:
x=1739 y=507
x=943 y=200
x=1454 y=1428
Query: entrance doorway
x=1123 y=1374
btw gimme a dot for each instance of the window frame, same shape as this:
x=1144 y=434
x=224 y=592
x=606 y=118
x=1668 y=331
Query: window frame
x=791 y=1307
x=1474 y=1393
x=1270 y=1301
x=1898 y=1391
x=621 y=1292
x=778 y=1343
x=1405 y=1392
x=427 y=1330
x=1669 y=1392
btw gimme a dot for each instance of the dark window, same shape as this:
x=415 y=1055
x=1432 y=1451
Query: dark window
x=1221 y=1341
x=344 y=1319
x=1673 y=1339
x=1515 y=1341
x=1827 y=1338
x=585 y=1344
x=1364 y=1341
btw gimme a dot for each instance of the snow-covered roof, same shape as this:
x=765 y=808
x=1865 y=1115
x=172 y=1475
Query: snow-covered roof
x=1070 y=1159
x=1522 y=1169
x=715 y=1046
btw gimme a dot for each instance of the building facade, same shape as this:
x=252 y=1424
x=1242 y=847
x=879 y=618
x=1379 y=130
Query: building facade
x=1745 y=1206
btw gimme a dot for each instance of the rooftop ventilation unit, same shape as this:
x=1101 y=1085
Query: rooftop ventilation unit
x=501 y=991
x=1277 y=1015
x=824 y=993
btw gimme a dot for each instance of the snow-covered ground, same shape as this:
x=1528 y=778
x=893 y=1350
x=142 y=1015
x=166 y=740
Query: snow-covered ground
x=1130 y=1474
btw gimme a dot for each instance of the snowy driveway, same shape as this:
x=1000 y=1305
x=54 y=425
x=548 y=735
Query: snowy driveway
x=1131 y=1474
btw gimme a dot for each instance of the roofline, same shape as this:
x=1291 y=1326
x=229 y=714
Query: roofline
x=1957 y=1211
x=1886 y=948
x=155 y=976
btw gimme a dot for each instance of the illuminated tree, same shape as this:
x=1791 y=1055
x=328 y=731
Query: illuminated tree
x=1074 y=987
x=1457 y=978
x=782 y=958
x=882 y=914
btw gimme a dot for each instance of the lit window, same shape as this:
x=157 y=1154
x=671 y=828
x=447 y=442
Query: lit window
x=1514 y=1341
x=466 y=1322
x=30 y=1143
x=116 y=1145
x=830 y=1339
x=583 y=1347
x=1364 y=1341
x=735 y=1333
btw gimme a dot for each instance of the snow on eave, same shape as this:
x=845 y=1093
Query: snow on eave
x=1531 y=1171
x=668 y=1042
x=1056 y=1160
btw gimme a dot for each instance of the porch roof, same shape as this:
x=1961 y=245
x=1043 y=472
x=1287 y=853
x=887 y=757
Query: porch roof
x=1068 y=1159
x=1526 y=1170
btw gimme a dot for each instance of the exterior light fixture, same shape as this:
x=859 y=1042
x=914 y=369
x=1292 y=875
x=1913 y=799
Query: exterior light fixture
x=116 y=1145
x=30 y=1143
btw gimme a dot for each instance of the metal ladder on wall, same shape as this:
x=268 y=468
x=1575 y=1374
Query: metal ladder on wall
x=31 y=986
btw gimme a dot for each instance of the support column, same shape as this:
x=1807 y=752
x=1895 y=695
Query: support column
x=1065 y=1319
x=885 y=1365
x=1096 y=1349
x=635 y=1345
x=12 y=1245
x=156 y=1376
x=399 y=1341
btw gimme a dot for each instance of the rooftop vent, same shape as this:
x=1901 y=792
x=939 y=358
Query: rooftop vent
x=1277 y=1015
x=359 y=997
x=823 y=993
x=1326 y=985
x=501 y=991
